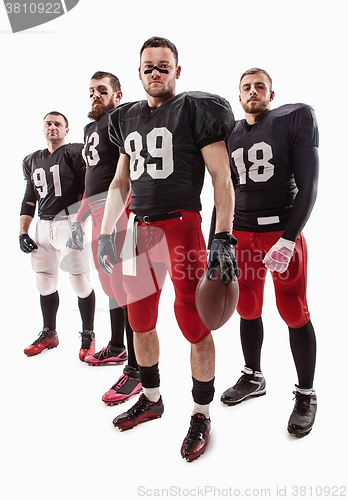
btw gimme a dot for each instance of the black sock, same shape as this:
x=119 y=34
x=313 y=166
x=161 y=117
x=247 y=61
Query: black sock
x=130 y=345
x=251 y=335
x=117 y=324
x=203 y=392
x=87 y=310
x=303 y=348
x=49 y=307
x=149 y=376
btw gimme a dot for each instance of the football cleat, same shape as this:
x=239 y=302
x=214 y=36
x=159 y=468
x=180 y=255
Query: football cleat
x=197 y=438
x=250 y=385
x=109 y=355
x=125 y=388
x=87 y=344
x=143 y=411
x=302 y=418
x=46 y=340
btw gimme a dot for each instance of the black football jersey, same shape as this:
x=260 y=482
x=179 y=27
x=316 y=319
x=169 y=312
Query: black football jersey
x=101 y=157
x=55 y=181
x=164 y=148
x=261 y=165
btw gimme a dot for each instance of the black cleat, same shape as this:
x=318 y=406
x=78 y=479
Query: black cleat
x=142 y=411
x=250 y=385
x=302 y=418
x=196 y=441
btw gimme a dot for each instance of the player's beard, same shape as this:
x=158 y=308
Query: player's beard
x=97 y=112
x=255 y=107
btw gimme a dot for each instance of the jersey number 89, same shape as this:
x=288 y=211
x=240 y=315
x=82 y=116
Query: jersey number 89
x=159 y=144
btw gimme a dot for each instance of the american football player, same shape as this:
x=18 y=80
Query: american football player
x=274 y=158
x=101 y=157
x=55 y=182
x=166 y=141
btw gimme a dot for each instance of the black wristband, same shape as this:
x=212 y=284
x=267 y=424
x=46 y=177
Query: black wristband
x=225 y=235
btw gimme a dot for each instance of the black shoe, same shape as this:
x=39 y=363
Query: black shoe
x=197 y=438
x=250 y=385
x=131 y=371
x=302 y=418
x=109 y=355
x=142 y=411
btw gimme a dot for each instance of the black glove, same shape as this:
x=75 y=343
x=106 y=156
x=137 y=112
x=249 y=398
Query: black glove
x=26 y=244
x=106 y=248
x=222 y=254
x=75 y=241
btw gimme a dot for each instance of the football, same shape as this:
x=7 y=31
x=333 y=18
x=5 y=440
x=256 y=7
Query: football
x=216 y=301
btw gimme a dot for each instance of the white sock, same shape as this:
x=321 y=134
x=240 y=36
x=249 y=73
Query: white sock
x=201 y=409
x=305 y=392
x=152 y=394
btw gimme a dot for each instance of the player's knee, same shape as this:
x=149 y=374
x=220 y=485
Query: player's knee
x=81 y=285
x=46 y=284
x=248 y=306
x=189 y=322
x=293 y=312
x=141 y=316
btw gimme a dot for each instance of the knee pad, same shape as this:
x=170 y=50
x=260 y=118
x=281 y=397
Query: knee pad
x=81 y=285
x=249 y=305
x=294 y=312
x=189 y=321
x=142 y=315
x=46 y=283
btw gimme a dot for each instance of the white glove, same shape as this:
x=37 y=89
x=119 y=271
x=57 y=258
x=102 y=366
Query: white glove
x=278 y=257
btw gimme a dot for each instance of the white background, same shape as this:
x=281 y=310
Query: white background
x=57 y=437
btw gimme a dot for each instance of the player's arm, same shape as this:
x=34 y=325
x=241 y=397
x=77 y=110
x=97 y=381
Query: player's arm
x=116 y=200
x=24 y=223
x=221 y=251
x=217 y=162
x=26 y=217
x=305 y=162
x=118 y=193
x=76 y=239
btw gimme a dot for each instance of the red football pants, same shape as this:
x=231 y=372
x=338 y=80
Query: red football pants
x=112 y=284
x=177 y=246
x=290 y=286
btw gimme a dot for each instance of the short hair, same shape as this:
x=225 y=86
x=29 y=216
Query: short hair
x=114 y=81
x=157 y=41
x=57 y=113
x=254 y=71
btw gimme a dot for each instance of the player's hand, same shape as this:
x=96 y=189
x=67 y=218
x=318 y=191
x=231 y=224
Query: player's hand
x=26 y=244
x=222 y=254
x=75 y=241
x=106 y=249
x=279 y=256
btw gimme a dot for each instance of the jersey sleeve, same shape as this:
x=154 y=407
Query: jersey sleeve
x=78 y=164
x=28 y=206
x=114 y=130
x=303 y=128
x=213 y=121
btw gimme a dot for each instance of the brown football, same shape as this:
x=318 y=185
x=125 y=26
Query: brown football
x=216 y=301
